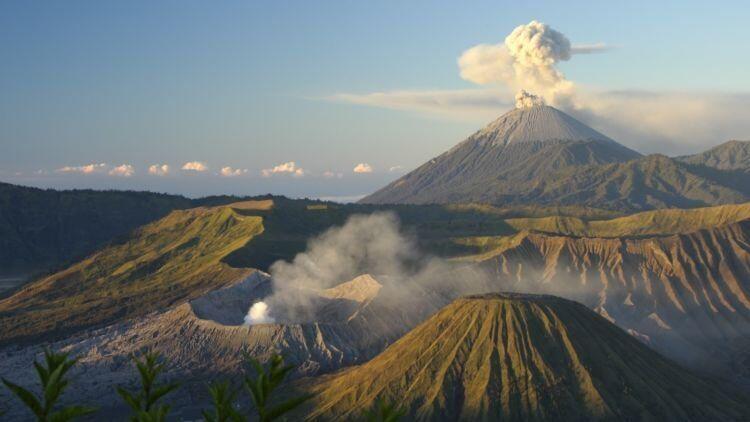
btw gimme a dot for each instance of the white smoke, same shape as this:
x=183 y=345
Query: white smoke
x=258 y=314
x=366 y=244
x=526 y=60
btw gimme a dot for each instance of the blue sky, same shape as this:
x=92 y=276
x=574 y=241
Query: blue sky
x=249 y=84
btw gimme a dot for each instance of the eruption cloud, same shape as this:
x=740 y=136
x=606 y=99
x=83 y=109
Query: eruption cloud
x=526 y=60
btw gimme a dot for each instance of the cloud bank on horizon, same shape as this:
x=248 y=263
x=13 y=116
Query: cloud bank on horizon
x=528 y=59
x=159 y=169
x=123 y=170
x=289 y=167
x=83 y=169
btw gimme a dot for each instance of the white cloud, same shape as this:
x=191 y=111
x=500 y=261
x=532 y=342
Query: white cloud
x=195 y=166
x=666 y=122
x=590 y=48
x=395 y=168
x=123 y=170
x=231 y=172
x=84 y=169
x=328 y=174
x=467 y=104
x=289 y=167
x=362 y=168
x=158 y=169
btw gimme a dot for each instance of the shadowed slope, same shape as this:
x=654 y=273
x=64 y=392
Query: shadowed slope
x=176 y=258
x=732 y=155
x=521 y=357
x=44 y=228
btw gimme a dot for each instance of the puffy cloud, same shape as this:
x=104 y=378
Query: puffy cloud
x=395 y=168
x=195 y=166
x=123 y=170
x=362 y=168
x=84 y=169
x=290 y=167
x=328 y=174
x=158 y=169
x=231 y=172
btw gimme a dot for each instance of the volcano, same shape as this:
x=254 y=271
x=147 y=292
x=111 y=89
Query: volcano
x=538 y=155
x=523 y=357
x=523 y=144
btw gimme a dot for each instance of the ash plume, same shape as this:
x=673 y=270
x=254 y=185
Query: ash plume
x=527 y=59
x=525 y=99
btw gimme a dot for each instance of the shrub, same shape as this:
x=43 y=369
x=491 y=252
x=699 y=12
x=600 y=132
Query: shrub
x=145 y=403
x=222 y=397
x=262 y=387
x=53 y=381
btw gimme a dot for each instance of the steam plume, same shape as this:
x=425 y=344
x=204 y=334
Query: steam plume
x=366 y=244
x=258 y=314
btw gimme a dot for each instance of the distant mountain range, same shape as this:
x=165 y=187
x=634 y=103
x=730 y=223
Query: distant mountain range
x=540 y=155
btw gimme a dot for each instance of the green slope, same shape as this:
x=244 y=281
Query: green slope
x=40 y=229
x=519 y=358
x=174 y=259
x=649 y=223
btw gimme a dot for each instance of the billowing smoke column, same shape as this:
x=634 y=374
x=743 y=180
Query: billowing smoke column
x=258 y=314
x=526 y=60
x=366 y=244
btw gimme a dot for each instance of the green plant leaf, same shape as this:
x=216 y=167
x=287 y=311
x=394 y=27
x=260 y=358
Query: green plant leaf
x=286 y=406
x=70 y=413
x=27 y=397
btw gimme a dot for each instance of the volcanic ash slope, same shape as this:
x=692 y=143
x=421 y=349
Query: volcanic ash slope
x=522 y=357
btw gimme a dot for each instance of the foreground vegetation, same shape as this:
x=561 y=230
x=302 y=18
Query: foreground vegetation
x=148 y=403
